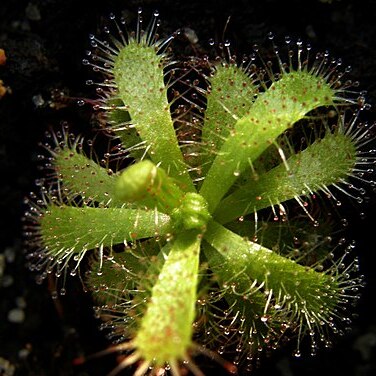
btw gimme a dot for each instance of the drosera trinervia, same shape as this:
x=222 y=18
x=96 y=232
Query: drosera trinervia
x=209 y=255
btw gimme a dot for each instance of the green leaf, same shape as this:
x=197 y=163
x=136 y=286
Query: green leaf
x=83 y=177
x=274 y=111
x=165 y=333
x=306 y=296
x=74 y=230
x=255 y=322
x=230 y=97
x=327 y=161
x=139 y=76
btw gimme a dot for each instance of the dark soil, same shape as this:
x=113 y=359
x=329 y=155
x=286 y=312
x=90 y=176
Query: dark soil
x=45 y=41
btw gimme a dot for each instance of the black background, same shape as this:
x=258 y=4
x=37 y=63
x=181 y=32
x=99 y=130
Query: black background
x=45 y=41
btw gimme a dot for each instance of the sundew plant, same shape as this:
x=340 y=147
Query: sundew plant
x=210 y=227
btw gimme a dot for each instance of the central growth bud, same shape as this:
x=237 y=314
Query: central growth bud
x=150 y=185
x=192 y=214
